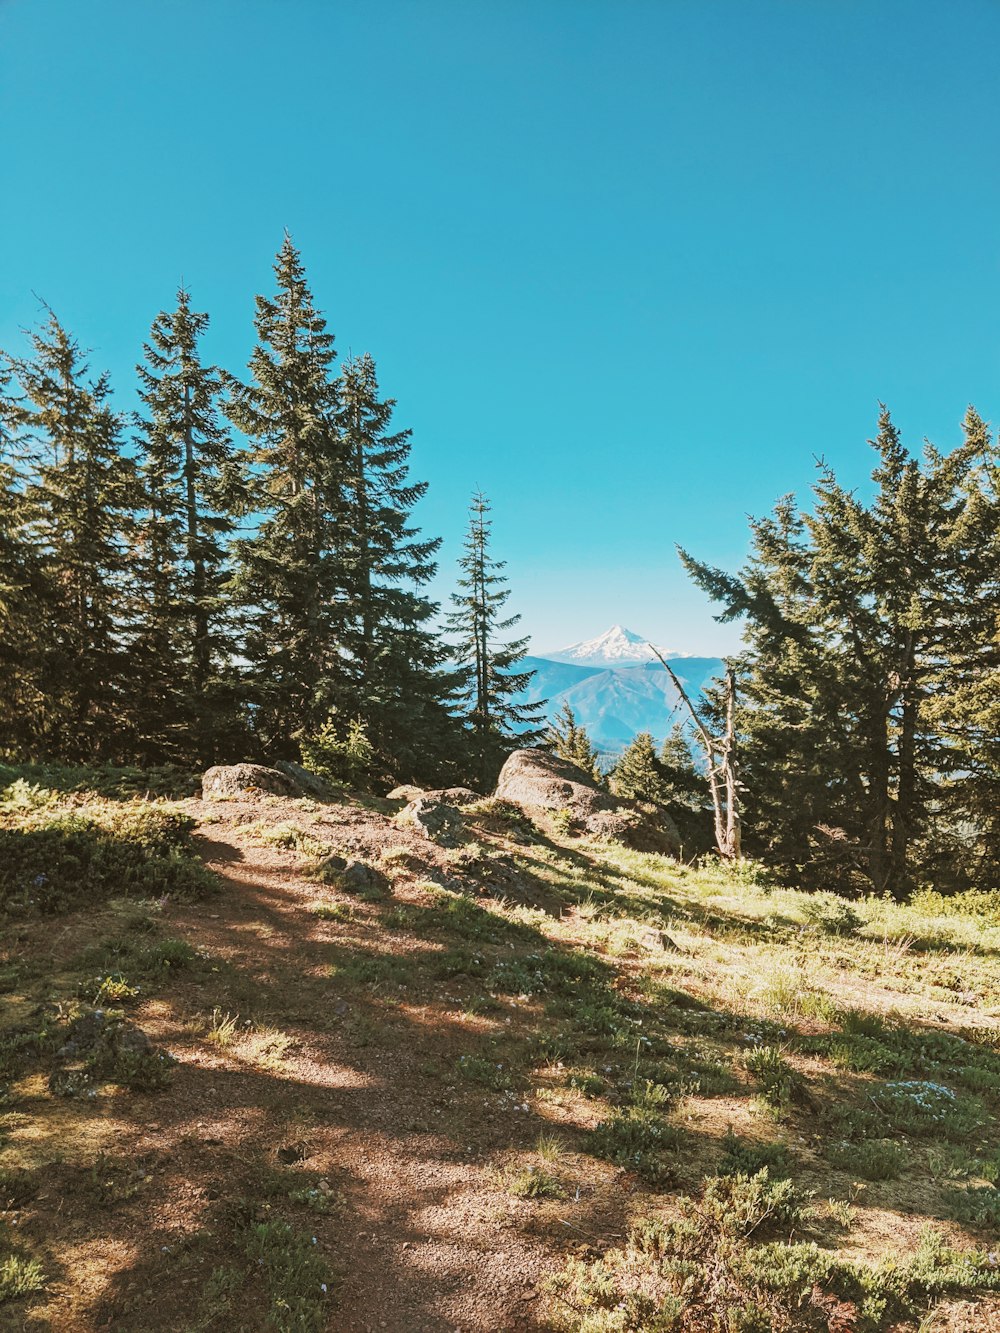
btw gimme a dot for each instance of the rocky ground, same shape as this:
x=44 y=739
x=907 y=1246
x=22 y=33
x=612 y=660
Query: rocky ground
x=420 y=1074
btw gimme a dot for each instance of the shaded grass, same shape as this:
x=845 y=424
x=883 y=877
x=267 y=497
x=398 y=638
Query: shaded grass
x=648 y=1050
x=55 y=857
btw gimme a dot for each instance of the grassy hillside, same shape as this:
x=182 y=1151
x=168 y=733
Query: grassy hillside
x=524 y=1082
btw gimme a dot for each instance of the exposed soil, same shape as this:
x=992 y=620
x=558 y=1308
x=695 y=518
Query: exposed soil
x=364 y=1098
x=349 y=1071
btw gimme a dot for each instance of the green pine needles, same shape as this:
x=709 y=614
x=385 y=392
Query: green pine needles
x=869 y=684
x=242 y=578
x=488 y=675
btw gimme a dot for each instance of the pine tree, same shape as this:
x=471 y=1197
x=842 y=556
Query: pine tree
x=965 y=706
x=684 y=788
x=395 y=684
x=846 y=612
x=184 y=642
x=489 y=682
x=25 y=604
x=291 y=577
x=571 y=742
x=788 y=716
x=683 y=781
x=639 y=775
x=84 y=492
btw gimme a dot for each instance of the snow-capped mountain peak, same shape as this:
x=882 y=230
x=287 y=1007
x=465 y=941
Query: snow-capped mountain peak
x=617 y=646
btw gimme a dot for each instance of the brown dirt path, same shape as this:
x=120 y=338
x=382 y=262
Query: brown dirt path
x=325 y=1080
x=425 y=1245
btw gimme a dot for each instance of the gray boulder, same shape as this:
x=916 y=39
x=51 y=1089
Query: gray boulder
x=541 y=780
x=247 y=780
x=359 y=875
x=436 y=820
x=308 y=782
x=456 y=796
x=547 y=782
x=643 y=830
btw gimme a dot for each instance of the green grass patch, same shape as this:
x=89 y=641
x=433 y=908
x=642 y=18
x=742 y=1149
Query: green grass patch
x=54 y=858
x=873 y=1159
x=110 y=781
x=281 y=1273
x=488 y=1073
x=19 y=1277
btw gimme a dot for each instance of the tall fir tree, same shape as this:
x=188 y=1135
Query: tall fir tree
x=184 y=642
x=291 y=575
x=639 y=774
x=84 y=493
x=570 y=741
x=489 y=680
x=395 y=682
x=26 y=597
x=846 y=609
x=965 y=707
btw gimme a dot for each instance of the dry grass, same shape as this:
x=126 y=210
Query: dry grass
x=578 y=1045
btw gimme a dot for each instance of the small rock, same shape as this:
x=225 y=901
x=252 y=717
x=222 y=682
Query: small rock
x=405 y=793
x=247 y=780
x=133 y=1041
x=436 y=820
x=658 y=939
x=87 y=1031
x=358 y=875
x=310 y=783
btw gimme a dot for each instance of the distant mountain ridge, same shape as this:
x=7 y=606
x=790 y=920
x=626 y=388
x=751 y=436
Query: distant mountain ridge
x=616 y=687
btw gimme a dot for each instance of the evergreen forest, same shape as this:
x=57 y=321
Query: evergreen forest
x=234 y=571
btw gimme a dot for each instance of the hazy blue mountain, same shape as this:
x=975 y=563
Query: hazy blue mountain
x=614 y=688
x=552 y=678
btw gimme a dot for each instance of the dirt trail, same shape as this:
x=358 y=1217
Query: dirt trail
x=321 y=1079
x=419 y=1239
x=408 y=1076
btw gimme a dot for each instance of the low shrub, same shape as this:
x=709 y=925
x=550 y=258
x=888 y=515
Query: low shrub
x=713 y=1259
x=920 y=1106
x=533 y=1182
x=874 y=1159
x=747 y=1159
x=110 y=781
x=639 y=1139
x=782 y=1085
x=19 y=1277
x=831 y=914
x=56 y=859
x=978 y=1206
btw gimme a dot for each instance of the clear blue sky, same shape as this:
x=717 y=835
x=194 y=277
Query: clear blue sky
x=626 y=265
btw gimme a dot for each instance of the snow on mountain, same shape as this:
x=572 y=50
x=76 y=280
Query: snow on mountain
x=616 y=687
x=616 y=647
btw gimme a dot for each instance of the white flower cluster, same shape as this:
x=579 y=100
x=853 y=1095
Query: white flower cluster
x=934 y=1098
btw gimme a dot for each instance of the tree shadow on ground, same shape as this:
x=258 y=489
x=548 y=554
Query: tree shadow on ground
x=422 y=1031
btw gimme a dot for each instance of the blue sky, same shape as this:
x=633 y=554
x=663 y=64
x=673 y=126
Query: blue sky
x=627 y=266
